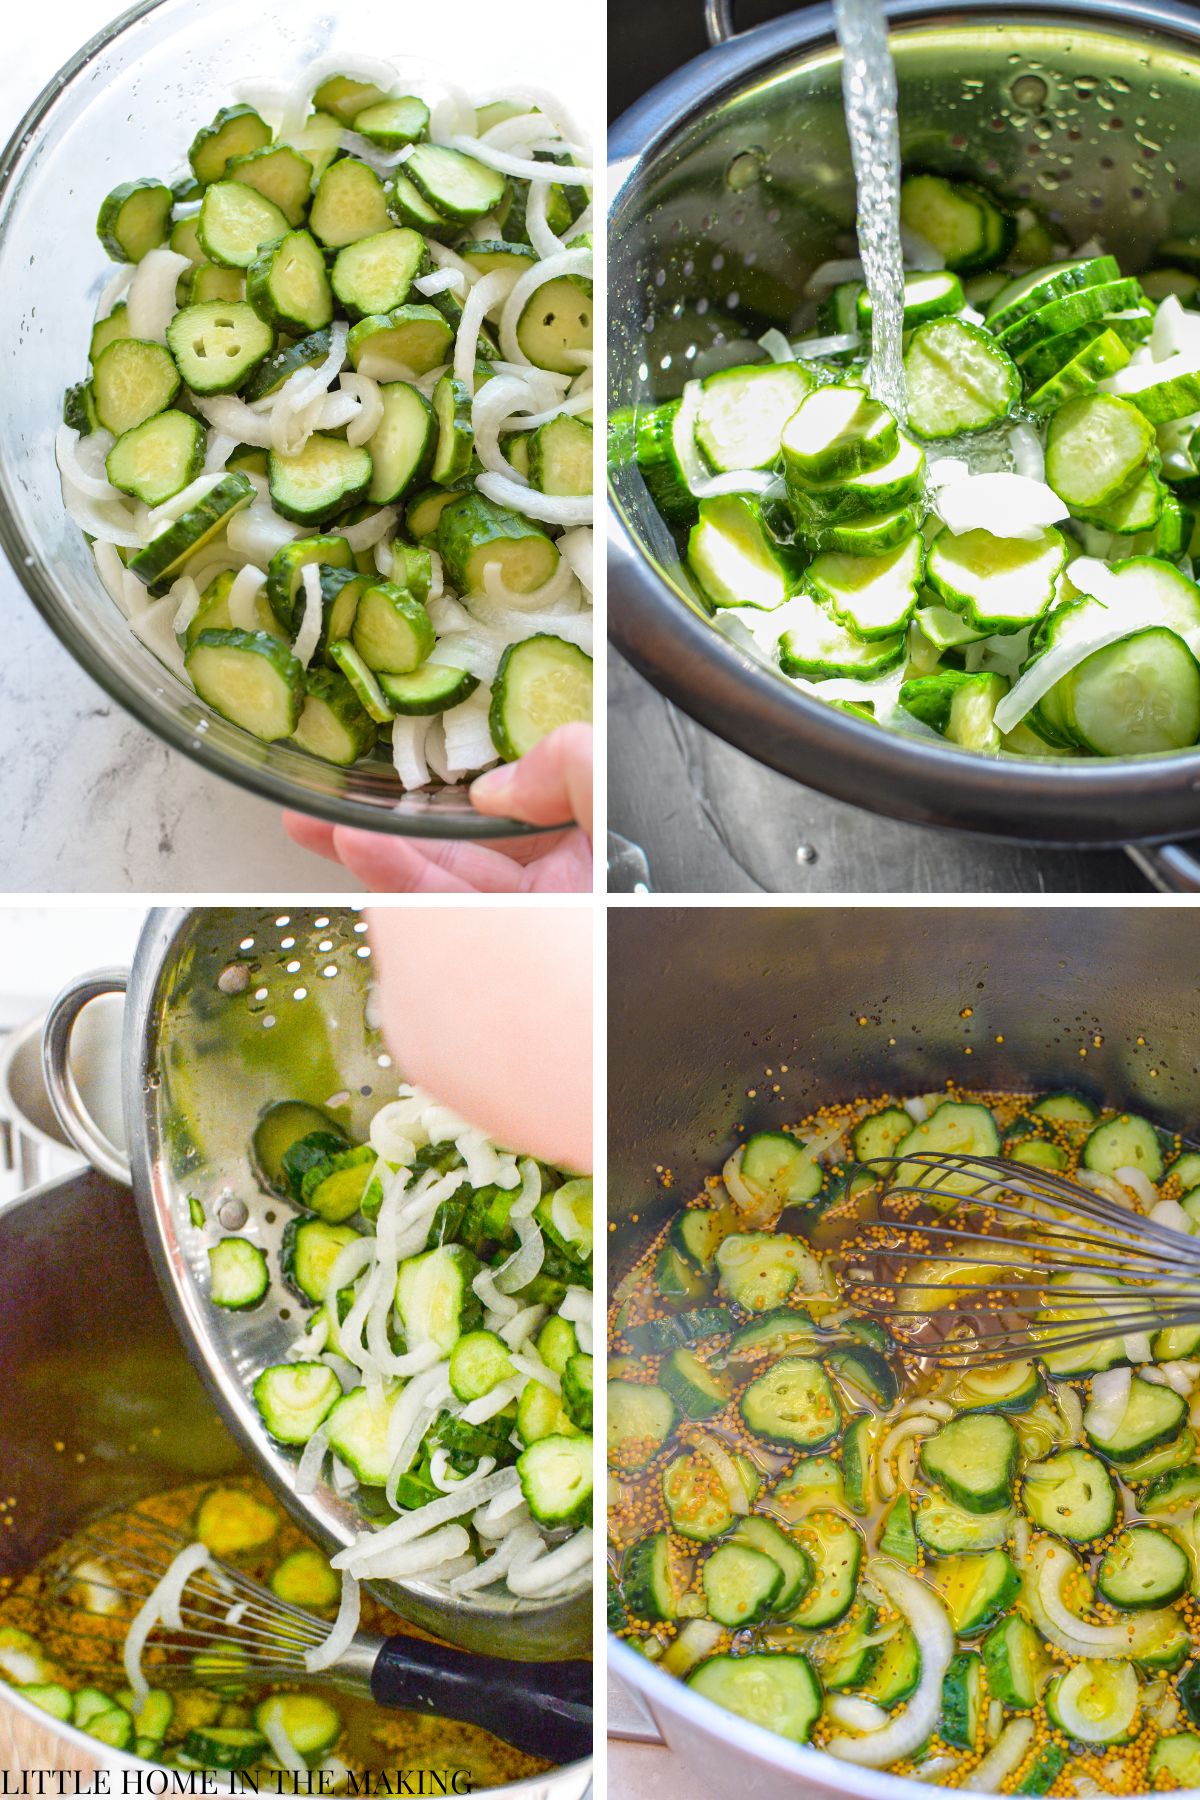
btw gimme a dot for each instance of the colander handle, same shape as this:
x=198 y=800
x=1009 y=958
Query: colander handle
x=1173 y=868
x=718 y=21
x=60 y=1077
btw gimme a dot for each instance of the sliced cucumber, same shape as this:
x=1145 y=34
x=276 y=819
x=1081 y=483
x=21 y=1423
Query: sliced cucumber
x=287 y=285
x=774 y=1689
x=158 y=458
x=735 y=558
x=219 y=344
x=743 y=411
x=740 y=1585
x=958 y=378
x=1071 y=1494
x=320 y=481
x=132 y=381
x=793 y=1403
x=250 y=678
x=375 y=274
x=134 y=219
x=1143 y=1567
x=238 y=1277
x=973 y=1459
x=542 y=682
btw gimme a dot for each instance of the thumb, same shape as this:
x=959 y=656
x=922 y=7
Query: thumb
x=550 y=786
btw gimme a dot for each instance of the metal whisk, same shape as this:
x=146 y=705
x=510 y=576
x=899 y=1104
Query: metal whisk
x=1030 y=1263
x=247 y=1636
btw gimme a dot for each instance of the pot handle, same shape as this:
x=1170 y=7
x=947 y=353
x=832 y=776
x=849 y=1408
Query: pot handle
x=1173 y=868
x=60 y=1077
x=718 y=21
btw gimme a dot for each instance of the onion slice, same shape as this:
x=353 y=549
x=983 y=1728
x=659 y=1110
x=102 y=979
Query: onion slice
x=927 y=1618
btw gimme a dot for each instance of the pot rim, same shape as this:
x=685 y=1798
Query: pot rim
x=704 y=673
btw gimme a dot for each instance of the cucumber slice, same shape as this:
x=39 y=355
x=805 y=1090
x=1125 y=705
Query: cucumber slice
x=1027 y=293
x=1067 y=314
x=392 y=631
x=873 y=535
x=852 y=1656
x=349 y=204
x=962 y=1700
x=408 y=206
x=776 y=1166
x=814 y=646
x=375 y=274
x=286 y=284
x=794 y=1565
x=961 y=706
x=816 y=506
x=480 y=1361
x=219 y=344
x=958 y=378
x=393 y=123
x=999 y=584
x=486 y=255
x=871 y=596
x=1134 y=512
x=640 y=1420
x=304 y=1578
x=1157 y=395
x=472 y=532
x=1066 y=1109
x=1134 y=697
x=434 y=1296
x=293 y=1399
x=950 y=217
x=280 y=174
x=835 y=434
x=135 y=218
x=560 y=456
x=648 y=1581
x=776 y=1332
x=793 y=1403
x=281 y=1127
x=1039 y=1154
x=542 y=682
x=1143 y=1567
x=897 y=1673
x=1015 y=1661
x=743 y=411
x=158 y=458
x=236 y=131
x=322 y=480
x=345 y=97
x=234 y=221
x=452 y=408
x=1096 y=448
x=926 y=296
x=774 y=1689
x=285 y=573
x=428 y=690
x=977 y=1588
x=357 y=1428
x=209 y=282
x=1101 y=356
x=1153 y=1415
x=312 y=1725
x=973 y=1459
x=1094 y=1702
x=898 y=1537
x=250 y=678
x=402 y=447
x=555 y=327
x=109 y=329
x=834 y=1547
x=734 y=557
x=333 y=724
x=1071 y=1494
x=1125 y=1142
x=945 y=1528
x=162 y=559
x=457 y=186
x=955 y=1128
x=1010 y=1387
x=695 y=1499
x=132 y=381
x=760 y=1269
x=271 y=374
x=698 y=1390
x=740 y=1585
x=1175 y=1761
x=238 y=1277
x=307 y=1254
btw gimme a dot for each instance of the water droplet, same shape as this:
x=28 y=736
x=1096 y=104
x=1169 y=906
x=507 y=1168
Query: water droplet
x=805 y=853
x=1029 y=92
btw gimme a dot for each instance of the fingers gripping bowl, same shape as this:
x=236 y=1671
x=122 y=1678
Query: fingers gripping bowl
x=850 y=1011
x=734 y=183
x=119 y=108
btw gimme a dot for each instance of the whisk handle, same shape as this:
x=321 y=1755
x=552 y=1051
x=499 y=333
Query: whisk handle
x=544 y=1709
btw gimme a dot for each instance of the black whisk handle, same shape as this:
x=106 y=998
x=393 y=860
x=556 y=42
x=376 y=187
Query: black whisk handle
x=544 y=1709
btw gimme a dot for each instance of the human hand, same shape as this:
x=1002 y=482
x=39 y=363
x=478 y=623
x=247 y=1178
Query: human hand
x=552 y=783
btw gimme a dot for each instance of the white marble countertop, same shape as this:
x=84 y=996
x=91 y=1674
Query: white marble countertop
x=122 y=813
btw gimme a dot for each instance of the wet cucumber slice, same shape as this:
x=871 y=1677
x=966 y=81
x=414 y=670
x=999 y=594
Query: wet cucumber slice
x=542 y=682
x=218 y=344
x=132 y=381
x=375 y=274
x=472 y=532
x=774 y=1689
x=236 y=131
x=250 y=678
x=162 y=559
x=159 y=458
x=322 y=480
x=457 y=186
x=555 y=327
x=333 y=724
x=287 y=286
x=135 y=218
x=235 y=221
x=431 y=689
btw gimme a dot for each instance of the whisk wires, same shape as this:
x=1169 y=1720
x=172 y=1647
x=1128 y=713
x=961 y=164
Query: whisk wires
x=979 y=1259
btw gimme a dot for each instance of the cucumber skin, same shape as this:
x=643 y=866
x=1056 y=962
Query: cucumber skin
x=470 y=522
x=230 y=495
x=496 y=719
x=257 y=643
x=109 y=215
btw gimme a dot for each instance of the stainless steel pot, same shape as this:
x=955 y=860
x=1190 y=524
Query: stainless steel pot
x=99 y=1408
x=859 y=1001
x=731 y=181
x=229 y=1009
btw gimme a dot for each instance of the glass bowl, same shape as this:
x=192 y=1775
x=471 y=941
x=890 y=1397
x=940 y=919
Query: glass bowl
x=128 y=104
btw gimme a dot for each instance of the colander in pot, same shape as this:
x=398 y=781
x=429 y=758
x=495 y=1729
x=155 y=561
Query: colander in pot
x=837 y=1004
x=732 y=182
x=228 y=1010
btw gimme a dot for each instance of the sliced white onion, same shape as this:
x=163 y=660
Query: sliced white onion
x=521 y=167
x=1007 y=506
x=1136 y=377
x=178 y=504
x=1110 y=1397
x=490 y=291
x=550 y=509
x=776 y=345
x=569 y=262
x=541 y=236
x=276 y=1734
x=186 y=595
x=468 y=735
x=558 y=592
x=312 y=1459
x=114 y=290
x=369 y=417
x=243 y=598
x=1140 y=1183
x=369 y=531
x=831 y=274
x=1025 y=446
x=309 y=634
x=576 y=549
x=556 y=1567
x=361 y=68
x=472 y=1493
x=233 y=418
x=717 y=1456
x=155 y=626
x=257 y=532
x=1006 y=1754
x=919 y=253
x=72 y=465
x=855 y=1713
x=495 y=402
x=161 y=1604
x=1052 y=1566
x=408 y=751
x=218 y=452
x=927 y=1619
x=152 y=303
x=523 y=1265
x=441 y=281
x=1168 y=1212
x=827 y=346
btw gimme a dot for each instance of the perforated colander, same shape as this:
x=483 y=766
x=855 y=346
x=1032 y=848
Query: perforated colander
x=732 y=181
x=228 y=1010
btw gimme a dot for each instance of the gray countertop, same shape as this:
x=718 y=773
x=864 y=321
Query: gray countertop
x=712 y=821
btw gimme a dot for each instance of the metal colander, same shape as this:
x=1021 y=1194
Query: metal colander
x=732 y=182
x=228 y=1010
